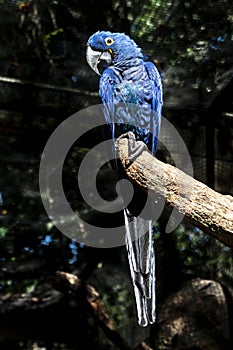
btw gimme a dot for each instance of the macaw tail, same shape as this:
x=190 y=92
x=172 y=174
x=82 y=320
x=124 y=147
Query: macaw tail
x=141 y=256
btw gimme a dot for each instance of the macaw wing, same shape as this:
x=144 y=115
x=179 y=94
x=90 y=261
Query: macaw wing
x=123 y=108
x=157 y=100
x=106 y=94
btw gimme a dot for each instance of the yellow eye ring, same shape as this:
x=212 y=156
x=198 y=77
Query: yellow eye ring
x=109 y=41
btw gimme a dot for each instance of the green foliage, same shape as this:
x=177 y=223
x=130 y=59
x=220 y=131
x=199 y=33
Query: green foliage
x=3 y=231
x=118 y=304
x=202 y=255
x=44 y=43
x=48 y=37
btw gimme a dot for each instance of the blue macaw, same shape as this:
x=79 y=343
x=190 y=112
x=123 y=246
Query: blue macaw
x=127 y=79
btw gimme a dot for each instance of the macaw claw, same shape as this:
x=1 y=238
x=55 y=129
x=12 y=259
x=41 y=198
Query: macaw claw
x=135 y=147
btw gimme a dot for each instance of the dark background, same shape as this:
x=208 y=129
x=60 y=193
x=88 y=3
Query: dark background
x=44 y=78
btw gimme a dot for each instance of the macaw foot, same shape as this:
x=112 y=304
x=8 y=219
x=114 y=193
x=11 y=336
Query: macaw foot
x=135 y=147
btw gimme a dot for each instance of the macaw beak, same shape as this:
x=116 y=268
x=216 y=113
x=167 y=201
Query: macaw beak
x=95 y=57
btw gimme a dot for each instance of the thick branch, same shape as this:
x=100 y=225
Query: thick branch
x=69 y=283
x=202 y=206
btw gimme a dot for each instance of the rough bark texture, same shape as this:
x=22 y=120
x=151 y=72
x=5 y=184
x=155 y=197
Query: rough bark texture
x=195 y=317
x=200 y=205
x=69 y=283
x=62 y=315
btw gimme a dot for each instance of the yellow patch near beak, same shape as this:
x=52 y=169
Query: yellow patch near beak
x=111 y=52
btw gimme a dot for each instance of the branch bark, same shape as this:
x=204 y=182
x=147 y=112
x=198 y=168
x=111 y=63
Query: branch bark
x=200 y=205
x=69 y=283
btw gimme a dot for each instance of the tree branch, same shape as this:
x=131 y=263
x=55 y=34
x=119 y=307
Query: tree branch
x=202 y=206
x=69 y=283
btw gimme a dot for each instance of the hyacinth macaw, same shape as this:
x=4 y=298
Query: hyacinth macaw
x=127 y=79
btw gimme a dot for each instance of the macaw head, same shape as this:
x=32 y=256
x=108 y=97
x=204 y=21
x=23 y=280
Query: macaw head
x=112 y=49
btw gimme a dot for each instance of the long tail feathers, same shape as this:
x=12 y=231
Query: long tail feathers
x=141 y=258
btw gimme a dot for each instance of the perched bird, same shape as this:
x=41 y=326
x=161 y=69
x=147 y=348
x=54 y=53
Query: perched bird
x=127 y=79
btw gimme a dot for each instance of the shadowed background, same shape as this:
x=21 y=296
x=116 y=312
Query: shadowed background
x=44 y=78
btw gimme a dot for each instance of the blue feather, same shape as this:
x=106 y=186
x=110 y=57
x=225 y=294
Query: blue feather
x=131 y=92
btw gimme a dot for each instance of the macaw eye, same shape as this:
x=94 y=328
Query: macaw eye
x=109 y=41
